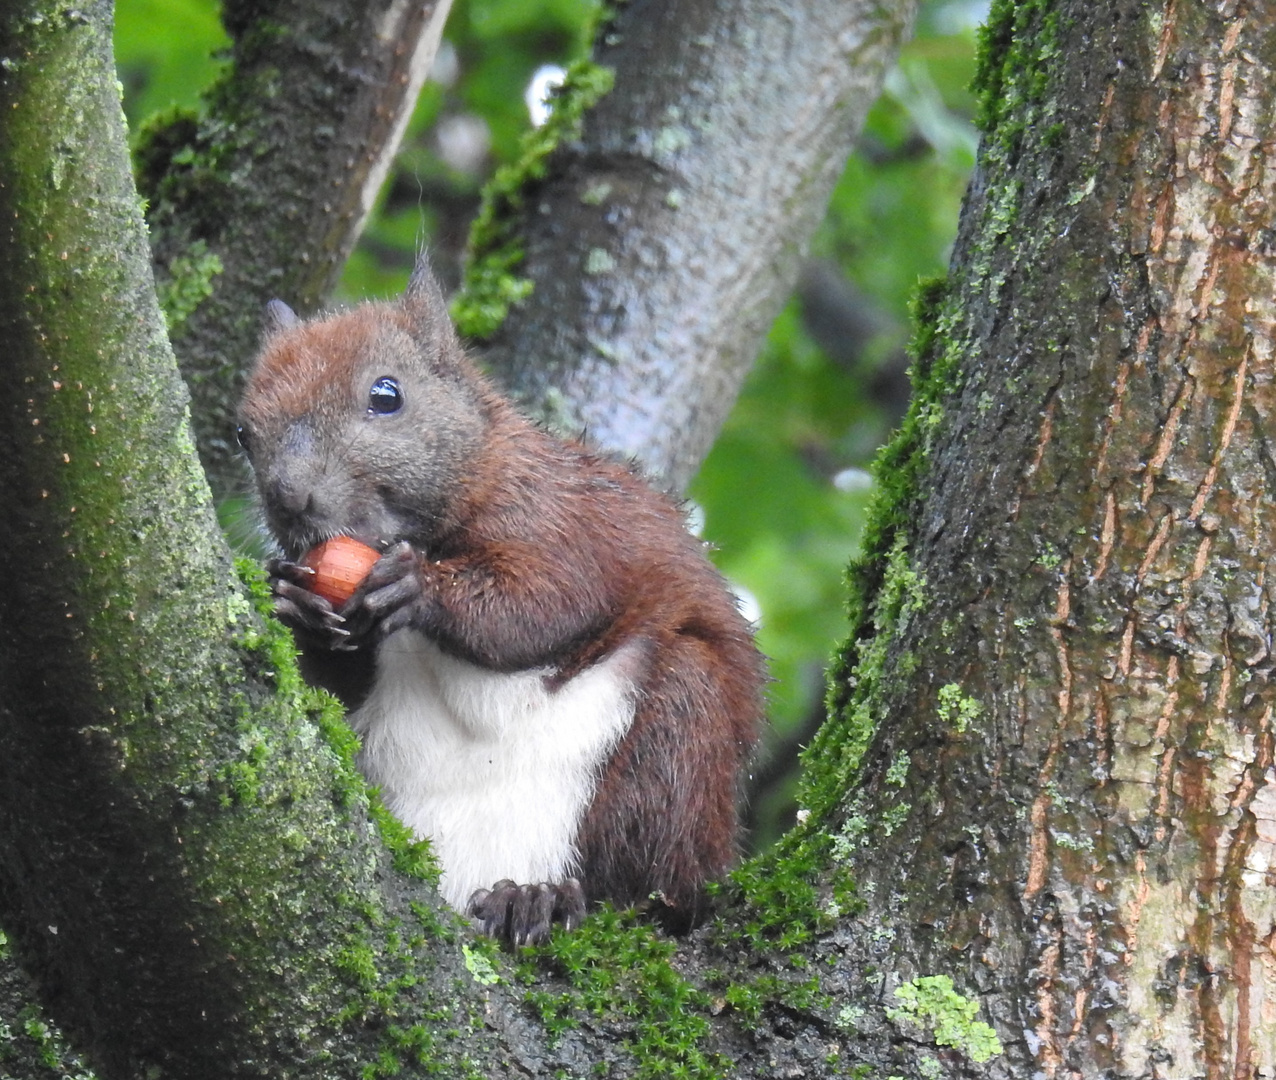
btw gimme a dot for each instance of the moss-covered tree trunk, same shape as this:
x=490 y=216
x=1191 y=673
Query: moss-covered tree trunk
x=1049 y=774
x=186 y=864
x=1064 y=625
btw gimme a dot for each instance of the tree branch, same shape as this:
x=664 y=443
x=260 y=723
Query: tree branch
x=666 y=239
x=277 y=178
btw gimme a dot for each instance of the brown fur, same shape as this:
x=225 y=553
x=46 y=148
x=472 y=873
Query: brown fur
x=531 y=552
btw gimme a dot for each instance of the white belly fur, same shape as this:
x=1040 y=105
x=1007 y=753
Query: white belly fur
x=494 y=769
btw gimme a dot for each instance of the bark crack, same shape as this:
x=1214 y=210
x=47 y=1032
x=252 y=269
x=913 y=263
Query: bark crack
x=1154 y=548
x=1229 y=429
x=1166 y=442
x=1168 y=25
x=1107 y=536
x=1114 y=411
x=1038 y=849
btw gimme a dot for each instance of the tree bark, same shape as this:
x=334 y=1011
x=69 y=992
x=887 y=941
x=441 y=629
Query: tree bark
x=187 y=869
x=669 y=235
x=276 y=179
x=1070 y=791
x=1050 y=761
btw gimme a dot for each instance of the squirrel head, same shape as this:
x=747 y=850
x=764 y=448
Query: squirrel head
x=367 y=423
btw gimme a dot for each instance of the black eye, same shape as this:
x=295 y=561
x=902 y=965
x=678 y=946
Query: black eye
x=386 y=396
x=244 y=439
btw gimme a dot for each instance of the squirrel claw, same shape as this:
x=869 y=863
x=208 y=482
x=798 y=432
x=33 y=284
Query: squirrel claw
x=524 y=914
x=287 y=570
x=305 y=611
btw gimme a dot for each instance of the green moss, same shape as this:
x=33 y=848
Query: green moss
x=792 y=993
x=357 y=961
x=746 y=999
x=243 y=776
x=1016 y=46
x=495 y=250
x=415 y=1045
x=791 y=893
x=856 y=700
x=329 y=717
x=380 y=959
x=274 y=642
x=163 y=138
x=410 y=855
x=803 y=886
x=932 y=1002
x=617 y=967
x=188 y=284
x=885 y=591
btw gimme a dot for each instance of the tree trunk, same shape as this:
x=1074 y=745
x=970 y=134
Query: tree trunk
x=1059 y=661
x=1064 y=633
x=188 y=869
x=671 y=231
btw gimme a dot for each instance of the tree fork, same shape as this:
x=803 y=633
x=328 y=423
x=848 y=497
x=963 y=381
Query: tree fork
x=728 y=119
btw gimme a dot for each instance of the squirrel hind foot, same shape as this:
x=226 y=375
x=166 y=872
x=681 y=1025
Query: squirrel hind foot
x=519 y=915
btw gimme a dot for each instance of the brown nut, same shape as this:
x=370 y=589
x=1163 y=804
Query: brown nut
x=339 y=565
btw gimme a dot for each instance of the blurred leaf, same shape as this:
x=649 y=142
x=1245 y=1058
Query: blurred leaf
x=164 y=53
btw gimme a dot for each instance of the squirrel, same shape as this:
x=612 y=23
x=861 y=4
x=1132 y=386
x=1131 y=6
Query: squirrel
x=550 y=680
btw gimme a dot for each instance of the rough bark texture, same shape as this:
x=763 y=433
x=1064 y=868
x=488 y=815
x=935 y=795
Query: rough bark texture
x=1071 y=795
x=671 y=232
x=1062 y=631
x=277 y=178
x=187 y=868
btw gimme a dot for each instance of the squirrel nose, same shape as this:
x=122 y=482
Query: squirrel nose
x=290 y=497
x=294 y=478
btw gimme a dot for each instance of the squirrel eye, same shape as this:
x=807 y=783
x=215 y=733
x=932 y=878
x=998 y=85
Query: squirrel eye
x=244 y=439
x=386 y=396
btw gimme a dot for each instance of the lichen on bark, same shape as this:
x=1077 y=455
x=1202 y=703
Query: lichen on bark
x=1088 y=523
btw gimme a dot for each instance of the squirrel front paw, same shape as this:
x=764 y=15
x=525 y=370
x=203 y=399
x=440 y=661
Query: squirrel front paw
x=389 y=598
x=302 y=609
x=524 y=914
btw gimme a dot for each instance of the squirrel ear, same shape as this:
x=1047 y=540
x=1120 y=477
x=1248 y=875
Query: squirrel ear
x=279 y=317
x=424 y=302
x=423 y=292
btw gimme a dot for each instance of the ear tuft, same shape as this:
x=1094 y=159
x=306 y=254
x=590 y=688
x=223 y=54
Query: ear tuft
x=424 y=302
x=279 y=317
x=423 y=288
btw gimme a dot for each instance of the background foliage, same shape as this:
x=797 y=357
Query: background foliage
x=783 y=492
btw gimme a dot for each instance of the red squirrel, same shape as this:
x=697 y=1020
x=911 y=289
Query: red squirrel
x=550 y=680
